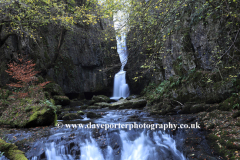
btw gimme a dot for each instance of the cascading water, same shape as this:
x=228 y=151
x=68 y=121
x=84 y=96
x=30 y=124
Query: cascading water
x=120 y=88
x=143 y=145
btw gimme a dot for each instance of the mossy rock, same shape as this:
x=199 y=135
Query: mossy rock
x=54 y=89
x=101 y=98
x=80 y=113
x=102 y=104
x=71 y=116
x=4 y=93
x=11 y=151
x=29 y=113
x=138 y=103
x=121 y=104
x=232 y=102
x=93 y=115
x=61 y=100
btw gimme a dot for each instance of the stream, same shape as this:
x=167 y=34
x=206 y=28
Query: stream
x=63 y=143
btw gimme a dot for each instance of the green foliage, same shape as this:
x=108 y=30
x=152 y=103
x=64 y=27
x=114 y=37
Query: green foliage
x=23 y=17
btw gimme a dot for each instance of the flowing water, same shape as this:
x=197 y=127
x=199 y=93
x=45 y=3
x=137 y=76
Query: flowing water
x=112 y=144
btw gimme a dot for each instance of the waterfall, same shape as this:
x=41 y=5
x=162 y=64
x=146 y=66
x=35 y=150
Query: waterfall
x=120 y=87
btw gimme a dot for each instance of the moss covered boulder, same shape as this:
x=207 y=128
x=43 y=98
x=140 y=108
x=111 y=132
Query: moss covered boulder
x=61 y=100
x=122 y=104
x=80 y=112
x=29 y=113
x=54 y=89
x=11 y=151
x=101 y=98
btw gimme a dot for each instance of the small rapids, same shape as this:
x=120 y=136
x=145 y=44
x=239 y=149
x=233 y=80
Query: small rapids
x=117 y=145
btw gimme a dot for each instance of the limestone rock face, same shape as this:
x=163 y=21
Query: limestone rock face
x=86 y=62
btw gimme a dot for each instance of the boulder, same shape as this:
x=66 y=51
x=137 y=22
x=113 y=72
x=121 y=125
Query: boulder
x=53 y=89
x=61 y=100
x=123 y=103
x=127 y=104
x=29 y=113
x=101 y=98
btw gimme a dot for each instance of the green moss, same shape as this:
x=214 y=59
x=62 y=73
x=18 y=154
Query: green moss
x=231 y=103
x=11 y=151
x=53 y=89
x=61 y=100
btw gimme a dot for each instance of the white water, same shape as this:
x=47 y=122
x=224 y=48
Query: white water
x=120 y=87
x=161 y=146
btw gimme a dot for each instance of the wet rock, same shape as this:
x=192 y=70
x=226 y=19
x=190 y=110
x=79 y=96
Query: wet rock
x=93 y=115
x=61 y=100
x=80 y=113
x=123 y=103
x=71 y=116
x=100 y=98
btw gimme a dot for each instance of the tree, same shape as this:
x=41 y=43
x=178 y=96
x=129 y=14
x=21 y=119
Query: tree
x=24 y=73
